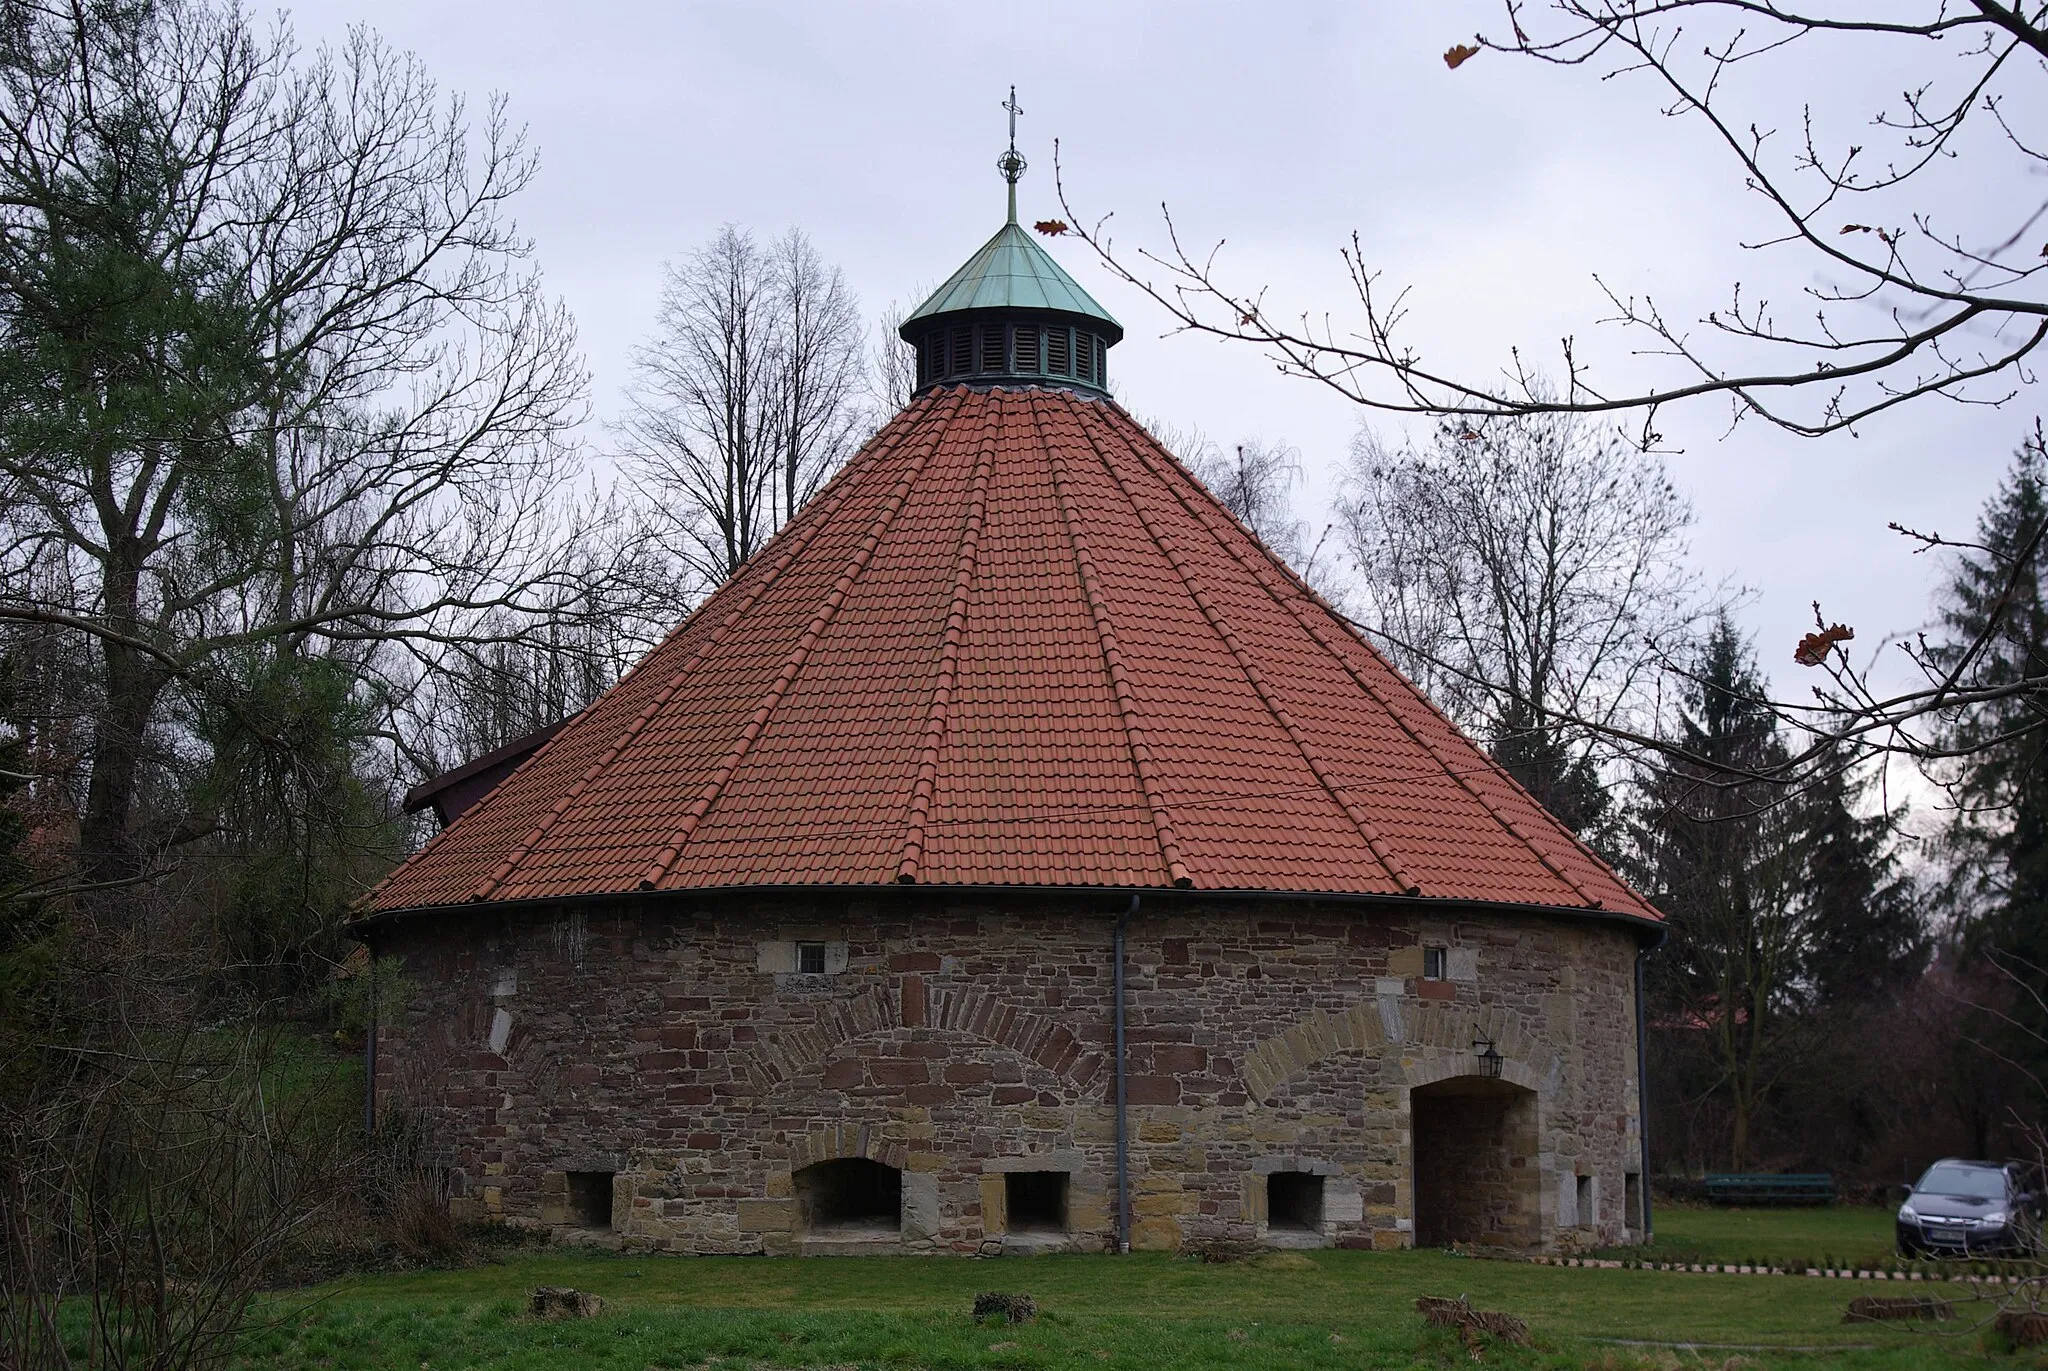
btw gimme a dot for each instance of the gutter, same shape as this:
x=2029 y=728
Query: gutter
x=368 y=918
x=1123 y=1147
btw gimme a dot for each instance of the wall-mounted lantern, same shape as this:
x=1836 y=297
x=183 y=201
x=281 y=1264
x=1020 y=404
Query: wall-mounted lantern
x=1488 y=1056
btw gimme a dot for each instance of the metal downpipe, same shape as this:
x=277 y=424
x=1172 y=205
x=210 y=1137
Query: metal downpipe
x=1123 y=1149
x=370 y=1057
x=1643 y=1084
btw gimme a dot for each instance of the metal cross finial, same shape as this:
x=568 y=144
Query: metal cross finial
x=1011 y=164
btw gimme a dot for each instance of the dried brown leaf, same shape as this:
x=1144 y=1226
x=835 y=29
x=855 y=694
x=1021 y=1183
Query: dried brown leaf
x=1459 y=55
x=1813 y=649
x=1051 y=228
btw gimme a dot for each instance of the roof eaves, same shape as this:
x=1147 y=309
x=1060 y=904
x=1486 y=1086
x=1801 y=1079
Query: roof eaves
x=1115 y=899
x=422 y=795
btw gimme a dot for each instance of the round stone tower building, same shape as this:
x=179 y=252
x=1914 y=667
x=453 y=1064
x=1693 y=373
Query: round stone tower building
x=1016 y=855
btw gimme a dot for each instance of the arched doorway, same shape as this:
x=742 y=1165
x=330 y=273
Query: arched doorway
x=1474 y=1148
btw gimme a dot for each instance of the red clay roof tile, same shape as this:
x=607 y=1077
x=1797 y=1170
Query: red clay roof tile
x=1012 y=643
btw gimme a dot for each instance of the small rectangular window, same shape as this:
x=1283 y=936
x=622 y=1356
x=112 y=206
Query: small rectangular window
x=1056 y=354
x=1036 y=1201
x=1294 y=1201
x=1632 y=1200
x=1027 y=349
x=1433 y=959
x=590 y=1198
x=1586 y=1216
x=810 y=959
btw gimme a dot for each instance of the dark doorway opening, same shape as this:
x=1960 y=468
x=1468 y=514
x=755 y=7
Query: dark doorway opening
x=1036 y=1201
x=1294 y=1202
x=1475 y=1176
x=851 y=1194
x=590 y=1198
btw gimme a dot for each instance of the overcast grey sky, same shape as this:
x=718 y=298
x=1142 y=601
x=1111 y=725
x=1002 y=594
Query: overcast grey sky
x=1495 y=191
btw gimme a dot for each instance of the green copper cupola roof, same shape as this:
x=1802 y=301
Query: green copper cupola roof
x=1010 y=315
x=1012 y=272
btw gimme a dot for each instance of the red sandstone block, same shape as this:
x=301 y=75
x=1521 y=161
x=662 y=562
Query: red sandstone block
x=1153 y=1090
x=1179 y=1059
x=911 y=994
x=844 y=1073
x=968 y=1073
x=914 y=961
x=1436 y=990
x=897 y=1071
x=1014 y=1094
x=930 y=1094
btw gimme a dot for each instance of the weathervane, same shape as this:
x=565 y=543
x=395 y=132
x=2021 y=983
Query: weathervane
x=1011 y=164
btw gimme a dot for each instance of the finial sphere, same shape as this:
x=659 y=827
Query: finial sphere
x=1012 y=164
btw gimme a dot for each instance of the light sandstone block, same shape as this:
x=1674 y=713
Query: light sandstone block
x=767 y=1216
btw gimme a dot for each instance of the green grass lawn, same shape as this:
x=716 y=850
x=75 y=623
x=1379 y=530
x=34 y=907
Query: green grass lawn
x=1835 y=1235
x=1325 y=1309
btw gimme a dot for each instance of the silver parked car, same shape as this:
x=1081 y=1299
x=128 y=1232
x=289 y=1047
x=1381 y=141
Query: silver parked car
x=1969 y=1209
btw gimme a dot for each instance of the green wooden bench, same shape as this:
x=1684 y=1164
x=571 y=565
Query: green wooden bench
x=1791 y=1189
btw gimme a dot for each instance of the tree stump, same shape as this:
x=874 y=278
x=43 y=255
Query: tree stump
x=561 y=1302
x=1439 y=1312
x=1009 y=1308
x=2025 y=1327
x=1876 y=1308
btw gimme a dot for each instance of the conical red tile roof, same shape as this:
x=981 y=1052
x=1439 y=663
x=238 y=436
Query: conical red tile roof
x=1012 y=643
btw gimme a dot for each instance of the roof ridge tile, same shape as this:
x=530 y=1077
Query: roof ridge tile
x=792 y=665
x=965 y=565
x=1112 y=656
x=1506 y=821
x=493 y=883
x=1406 y=882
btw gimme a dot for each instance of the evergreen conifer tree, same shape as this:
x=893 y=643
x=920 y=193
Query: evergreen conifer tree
x=1718 y=852
x=2000 y=831
x=1869 y=936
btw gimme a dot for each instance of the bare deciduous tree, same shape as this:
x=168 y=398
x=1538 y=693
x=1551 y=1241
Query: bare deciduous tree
x=1916 y=291
x=1255 y=480
x=278 y=381
x=893 y=367
x=820 y=374
x=1914 y=296
x=1524 y=572
x=745 y=399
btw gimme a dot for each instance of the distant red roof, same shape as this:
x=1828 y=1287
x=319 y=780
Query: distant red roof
x=1012 y=643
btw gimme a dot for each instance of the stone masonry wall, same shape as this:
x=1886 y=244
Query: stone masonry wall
x=679 y=1047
